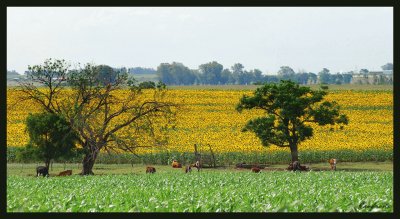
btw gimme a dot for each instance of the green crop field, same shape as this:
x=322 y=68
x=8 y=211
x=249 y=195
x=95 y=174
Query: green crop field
x=205 y=191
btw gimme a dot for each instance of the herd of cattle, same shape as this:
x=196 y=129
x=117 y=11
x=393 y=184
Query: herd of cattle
x=255 y=168
x=44 y=171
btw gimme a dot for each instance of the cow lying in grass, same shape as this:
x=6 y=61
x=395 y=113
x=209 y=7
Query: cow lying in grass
x=42 y=170
x=150 y=170
x=65 y=173
x=255 y=169
x=296 y=166
x=332 y=162
x=176 y=164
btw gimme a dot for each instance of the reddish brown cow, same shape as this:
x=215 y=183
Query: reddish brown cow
x=176 y=164
x=255 y=169
x=332 y=162
x=65 y=173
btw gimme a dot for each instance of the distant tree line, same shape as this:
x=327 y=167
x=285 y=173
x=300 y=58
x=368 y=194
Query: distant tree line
x=140 y=70
x=213 y=73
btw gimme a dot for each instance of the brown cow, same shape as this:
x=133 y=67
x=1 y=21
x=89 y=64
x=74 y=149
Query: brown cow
x=332 y=162
x=175 y=164
x=150 y=170
x=255 y=169
x=65 y=173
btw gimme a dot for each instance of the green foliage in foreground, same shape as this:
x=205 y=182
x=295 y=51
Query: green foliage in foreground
x=204 y=192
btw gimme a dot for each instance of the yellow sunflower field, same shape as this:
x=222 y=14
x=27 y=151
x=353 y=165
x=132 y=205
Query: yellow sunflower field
x=209 y=117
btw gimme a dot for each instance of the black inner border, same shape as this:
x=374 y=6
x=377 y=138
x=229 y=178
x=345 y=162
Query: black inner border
x=196 y=3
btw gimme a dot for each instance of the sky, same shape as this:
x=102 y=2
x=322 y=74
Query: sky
x=304 y=38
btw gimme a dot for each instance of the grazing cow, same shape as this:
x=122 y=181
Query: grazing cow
x=296 y=165
x=150 y=170
x=65 y=173
x=188 y=169
x=332 y=162
x=41 y=170
x=197 y=165
x=255 y=169
x=175 y=164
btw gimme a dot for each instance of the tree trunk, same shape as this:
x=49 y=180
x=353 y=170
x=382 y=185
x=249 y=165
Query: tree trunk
x=47 y=164
x=294 y=152
x=88 y=162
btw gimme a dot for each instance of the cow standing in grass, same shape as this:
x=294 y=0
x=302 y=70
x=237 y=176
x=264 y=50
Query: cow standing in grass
x=332 y=162
x=197 y=165
x=188 y=169
x=42 y=170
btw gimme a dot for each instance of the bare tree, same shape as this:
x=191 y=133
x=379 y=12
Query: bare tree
x=114 y=117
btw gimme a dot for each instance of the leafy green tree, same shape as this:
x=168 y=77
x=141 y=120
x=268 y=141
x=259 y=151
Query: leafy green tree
x=387 y=66
x=302 y=78
x=364 y=71
x=286 y=73
x=226 y=75
x=257 y=75
x=237 y=73
x=164 y=73
x=140 y=70
x=147 y=85
x=324 y=76
x=51 y=137
x=212 y=72
x=290 y=109
x=175 y=73
x=106 y=74
x=312 y=77
x=337 y=78
x=347 y=77
x=181 y=74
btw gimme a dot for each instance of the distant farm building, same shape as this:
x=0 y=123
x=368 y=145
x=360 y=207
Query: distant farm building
x=373 y=77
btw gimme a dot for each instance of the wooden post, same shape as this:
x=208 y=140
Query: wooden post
x=197 y=157
x=212 y=154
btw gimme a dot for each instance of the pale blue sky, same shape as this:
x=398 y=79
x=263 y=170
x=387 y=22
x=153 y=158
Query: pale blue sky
x=337 y=38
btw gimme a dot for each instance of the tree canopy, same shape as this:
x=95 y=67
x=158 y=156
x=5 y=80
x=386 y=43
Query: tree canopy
x=290 y=109
x=51 y=136
x=102 y=119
